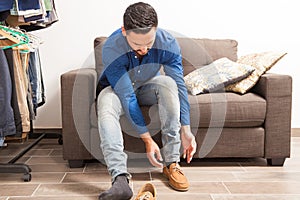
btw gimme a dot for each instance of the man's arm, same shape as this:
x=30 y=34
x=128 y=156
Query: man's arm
x=118 y=77
x=173 y=68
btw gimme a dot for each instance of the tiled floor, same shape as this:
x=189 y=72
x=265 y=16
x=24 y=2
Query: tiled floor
x=213 y=179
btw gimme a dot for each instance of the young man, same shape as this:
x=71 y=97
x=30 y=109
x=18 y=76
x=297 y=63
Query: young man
x=132 y=57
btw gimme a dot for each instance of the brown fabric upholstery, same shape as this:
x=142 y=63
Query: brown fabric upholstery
x=233 y=142
x=98 y=44
x=71 y=133
x=277 y=90
x=200 y=52
x=228 y=110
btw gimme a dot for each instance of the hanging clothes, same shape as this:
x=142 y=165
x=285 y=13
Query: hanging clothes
x=14 y=99
x=21 y=88
x=21 y=51
x=36 y=80
x=7 y=124
x=25 y=65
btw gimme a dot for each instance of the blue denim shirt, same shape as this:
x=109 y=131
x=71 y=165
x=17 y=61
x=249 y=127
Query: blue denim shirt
x=125 y=73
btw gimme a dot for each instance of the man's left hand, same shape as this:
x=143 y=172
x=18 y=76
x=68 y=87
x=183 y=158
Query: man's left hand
x=188 y=143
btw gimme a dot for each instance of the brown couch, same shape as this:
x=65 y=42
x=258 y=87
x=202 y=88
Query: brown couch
x=256 y=124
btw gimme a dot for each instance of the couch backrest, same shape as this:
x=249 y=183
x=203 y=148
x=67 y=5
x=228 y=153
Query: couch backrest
x=200 y=52
x=195 y=52
x=98 y=44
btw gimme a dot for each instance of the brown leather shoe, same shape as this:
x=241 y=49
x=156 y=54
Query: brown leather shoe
x=147 y=192
x=177 y=179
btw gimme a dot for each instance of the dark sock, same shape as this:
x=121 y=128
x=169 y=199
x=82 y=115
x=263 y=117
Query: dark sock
x=120 y=190
x=169 y=163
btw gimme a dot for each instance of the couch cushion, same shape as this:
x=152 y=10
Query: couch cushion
x=208 y=110
x=227 y=110
x=243 y=115
x=230 y=142
x=262 y=62
x=216 y=76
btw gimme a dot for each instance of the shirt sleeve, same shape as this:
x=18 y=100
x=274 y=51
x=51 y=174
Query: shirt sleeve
x=119 y=79
x=173 y=68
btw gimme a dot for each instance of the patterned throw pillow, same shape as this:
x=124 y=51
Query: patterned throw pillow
x=262 y=62
x=216 y=76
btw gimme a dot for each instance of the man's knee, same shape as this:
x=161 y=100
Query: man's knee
x=166 y=82
x=108 y=100
x=167 y=92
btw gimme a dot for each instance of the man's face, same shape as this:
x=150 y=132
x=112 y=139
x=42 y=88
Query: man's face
x=141 y=43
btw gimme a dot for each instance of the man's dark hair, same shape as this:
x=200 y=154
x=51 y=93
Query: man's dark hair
x=140 y=18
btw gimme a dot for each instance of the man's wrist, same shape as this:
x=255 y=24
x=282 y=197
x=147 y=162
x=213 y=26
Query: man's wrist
x=146 y=137
x=185 y=129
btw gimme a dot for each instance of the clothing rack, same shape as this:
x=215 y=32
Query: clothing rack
x=28 y=16
x=20 y=41
x=12 y=167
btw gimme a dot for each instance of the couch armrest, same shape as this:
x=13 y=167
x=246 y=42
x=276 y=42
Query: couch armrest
x=277 y=90
x=77 y=95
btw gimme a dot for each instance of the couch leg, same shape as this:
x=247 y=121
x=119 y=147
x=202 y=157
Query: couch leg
x=275 y=161
x=76 y=163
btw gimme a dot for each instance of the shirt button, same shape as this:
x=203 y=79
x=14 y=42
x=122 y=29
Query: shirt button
x=133 y=83
x=135 y=56
x=139 y=71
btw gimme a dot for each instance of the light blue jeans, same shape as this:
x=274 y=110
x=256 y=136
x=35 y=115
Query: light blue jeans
x=161 y=90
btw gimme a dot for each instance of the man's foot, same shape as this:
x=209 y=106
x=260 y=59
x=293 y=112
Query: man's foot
x=120 y=190
x=177 y=179
x=147 y=192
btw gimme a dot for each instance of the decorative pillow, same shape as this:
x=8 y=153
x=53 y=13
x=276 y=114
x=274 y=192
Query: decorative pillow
x=262 y=62
x=216 y=75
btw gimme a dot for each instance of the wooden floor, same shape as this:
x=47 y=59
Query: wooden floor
x=210 y=179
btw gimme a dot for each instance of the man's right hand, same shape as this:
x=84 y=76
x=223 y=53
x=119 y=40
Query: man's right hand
x=152 y=149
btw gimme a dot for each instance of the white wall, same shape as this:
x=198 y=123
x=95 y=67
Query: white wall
x=258 y=25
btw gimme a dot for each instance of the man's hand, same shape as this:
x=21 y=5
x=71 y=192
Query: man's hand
x=188 y=143
x=152 y=149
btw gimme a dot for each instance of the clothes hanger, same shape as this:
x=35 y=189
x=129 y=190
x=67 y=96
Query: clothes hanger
x=20 y=40
x=34 y=41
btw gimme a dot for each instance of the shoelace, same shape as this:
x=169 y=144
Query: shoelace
x=177 y=169
x=145 y=196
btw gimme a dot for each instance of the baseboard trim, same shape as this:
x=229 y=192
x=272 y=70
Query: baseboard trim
x=47 y=130
x=50 y=132
x=295 y=132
